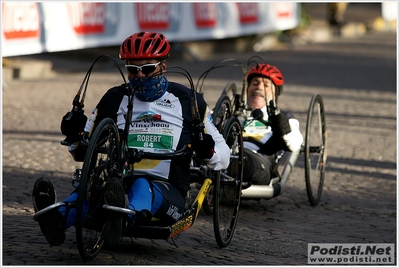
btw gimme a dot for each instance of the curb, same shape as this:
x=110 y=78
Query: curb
x=320 y=31
x=26 y=68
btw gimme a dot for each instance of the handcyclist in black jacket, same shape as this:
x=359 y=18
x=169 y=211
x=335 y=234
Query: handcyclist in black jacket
x=262 y=144
x=161 y=122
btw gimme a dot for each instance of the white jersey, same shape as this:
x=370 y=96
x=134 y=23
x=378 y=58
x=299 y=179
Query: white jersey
x=164 y=125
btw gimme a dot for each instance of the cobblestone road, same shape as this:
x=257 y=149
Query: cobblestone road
x=358 y=203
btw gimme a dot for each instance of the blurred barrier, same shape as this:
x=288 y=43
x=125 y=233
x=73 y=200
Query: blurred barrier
x=37 y=27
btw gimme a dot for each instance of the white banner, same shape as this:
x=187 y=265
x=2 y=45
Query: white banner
x=36 y=27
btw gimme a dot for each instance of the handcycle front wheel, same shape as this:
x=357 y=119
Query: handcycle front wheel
x=221 y=112
x=315 y=150
x=225 y=106
x=227 y=186
x=100 y=164
x=230 y=90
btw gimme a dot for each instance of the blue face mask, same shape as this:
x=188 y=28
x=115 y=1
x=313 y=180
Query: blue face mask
x=149 y=89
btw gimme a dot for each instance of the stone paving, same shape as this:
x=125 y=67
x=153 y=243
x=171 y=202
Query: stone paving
x=358 y=205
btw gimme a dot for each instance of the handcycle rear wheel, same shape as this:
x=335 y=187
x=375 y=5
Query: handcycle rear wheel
x=227 y=186
x=100 y=164
x=315 y=150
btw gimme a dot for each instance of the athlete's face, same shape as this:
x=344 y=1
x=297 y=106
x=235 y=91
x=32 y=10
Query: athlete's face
x=145 y=67
x=260 y=90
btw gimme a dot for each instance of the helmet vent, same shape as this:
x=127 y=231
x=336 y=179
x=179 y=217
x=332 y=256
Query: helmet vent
x=163 y=48
x=137 y=46
x=128 y=46
x=145 y=45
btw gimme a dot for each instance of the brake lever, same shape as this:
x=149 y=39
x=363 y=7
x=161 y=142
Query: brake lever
x=272 y=109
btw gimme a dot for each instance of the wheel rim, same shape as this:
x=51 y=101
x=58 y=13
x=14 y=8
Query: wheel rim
x=315 y=159
x=99 y=165
x=227 y=195
x=221 y=112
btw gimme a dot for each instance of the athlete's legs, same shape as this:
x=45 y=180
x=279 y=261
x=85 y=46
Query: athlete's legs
x=140 y=195
x=168 y=202
x=160 y=198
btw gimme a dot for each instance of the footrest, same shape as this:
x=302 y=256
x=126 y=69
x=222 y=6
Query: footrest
x=151 y=232
x=182 y=225
x=164 y=232
x=262 y=191
x=119 y=209
x=47 y=209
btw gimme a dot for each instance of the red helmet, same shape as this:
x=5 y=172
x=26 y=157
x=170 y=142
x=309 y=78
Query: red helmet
x=269 y=71
x=266 y=70
x=145 y=45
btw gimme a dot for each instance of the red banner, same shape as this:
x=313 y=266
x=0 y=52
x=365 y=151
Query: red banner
x=20 y=20
x=205 y=15
x=248 y=12
x=153 y=16
x=87 y=17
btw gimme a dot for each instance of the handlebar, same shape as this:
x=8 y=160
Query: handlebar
x=138 y=155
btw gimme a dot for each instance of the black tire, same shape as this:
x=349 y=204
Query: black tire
x=227 y=186
x=221 y=112
x=100 y=164
x=315 y=150
x=231 y=91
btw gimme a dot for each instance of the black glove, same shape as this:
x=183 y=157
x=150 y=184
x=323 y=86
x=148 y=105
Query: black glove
x=279 y=123
x=204 y=148
x=73 y=128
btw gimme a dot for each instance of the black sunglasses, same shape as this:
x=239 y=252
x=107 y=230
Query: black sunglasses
x=145 y=69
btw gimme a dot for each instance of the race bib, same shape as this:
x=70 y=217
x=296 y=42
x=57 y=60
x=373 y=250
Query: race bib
x=151 y=142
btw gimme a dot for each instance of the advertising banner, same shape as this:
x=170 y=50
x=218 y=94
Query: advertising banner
x=37 y=27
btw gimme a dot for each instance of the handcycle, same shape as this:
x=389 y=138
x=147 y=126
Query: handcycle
x=233 y=104
x=108 y=156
